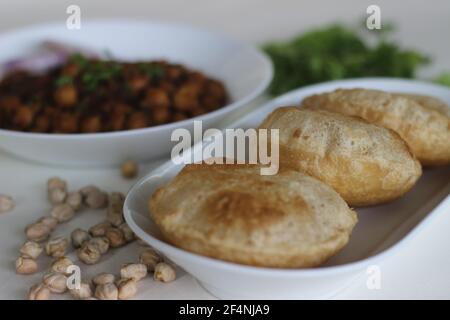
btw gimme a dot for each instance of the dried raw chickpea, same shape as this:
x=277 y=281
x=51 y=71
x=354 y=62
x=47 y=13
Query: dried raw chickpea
x=74 y=200
x=94 y=198
x=127 y=288
x=57 y=195
x=79 y=237
x=49 y=221
x=83 y=292
x=150 y=258
x=101 y=243
x=31 y=249
x=56 y=282
x=89 y=254
x=61 y=265
x=128 y=234
x=6 y=203
x=99 y=230
x=129 y=169
x=26 y=265
x=57 y=247
x=39 y=292
x=37 y=232
x=62 y=212
x=135 y=271
x=164 y=272
x=103 y=278
x=116 y=237
x=107 y=291
x=56 y=182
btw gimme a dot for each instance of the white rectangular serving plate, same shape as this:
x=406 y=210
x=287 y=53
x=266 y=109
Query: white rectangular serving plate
x=380 y=231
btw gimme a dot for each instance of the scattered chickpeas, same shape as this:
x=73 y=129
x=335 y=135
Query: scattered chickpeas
x=56 y=282
x=37 y=232
x=150 y=258
x=49 y=221
x=135 y=271
x=117 y=198
x=78 y=237
x=116 y=219
x=129 y=169
x=26 y=265
x=116 y=237
x=31 y=249
x=87 y=189
x=111 y=233
x=89 y=253
x=101 y=243
x=128 y=234
x=74 y=200
x=62 y=212
x=57 y=195
x=39 y=292
x=84 y=292
x=114 y=213
x=164 y=272
x=57 y=247
x=103 y=278
x=56 y=183
x=94 y=198
x=99 y=230
x=127 y=288
x=6 y=203
x=60 y=265
x=107 y=291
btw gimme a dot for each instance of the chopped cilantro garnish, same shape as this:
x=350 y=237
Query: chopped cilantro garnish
x=337 y=52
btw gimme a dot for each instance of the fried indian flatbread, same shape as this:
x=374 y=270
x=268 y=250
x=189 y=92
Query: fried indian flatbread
x=365 y=163
x=232 y=213
x=423 y=122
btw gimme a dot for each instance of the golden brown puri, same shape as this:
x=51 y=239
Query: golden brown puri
x=232 y=213
x=423 y=122
x=365 y=163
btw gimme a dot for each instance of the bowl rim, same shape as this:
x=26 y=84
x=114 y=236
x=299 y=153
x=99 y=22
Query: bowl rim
x=257 y=91
x=163 y=246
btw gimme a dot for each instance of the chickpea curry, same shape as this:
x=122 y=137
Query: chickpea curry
x=86 y=95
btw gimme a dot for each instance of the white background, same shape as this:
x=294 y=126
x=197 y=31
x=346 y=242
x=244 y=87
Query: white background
x=422 y=270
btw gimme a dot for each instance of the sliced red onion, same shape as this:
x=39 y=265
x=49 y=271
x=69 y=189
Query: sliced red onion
x=48 y=55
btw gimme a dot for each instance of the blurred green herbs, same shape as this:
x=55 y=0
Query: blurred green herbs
x=337 y=52
x=443 y=78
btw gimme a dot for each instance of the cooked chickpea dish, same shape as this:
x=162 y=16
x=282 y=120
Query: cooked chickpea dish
x=87 y=95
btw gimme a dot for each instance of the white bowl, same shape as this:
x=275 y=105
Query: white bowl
x=379 y=233
x=245 y=71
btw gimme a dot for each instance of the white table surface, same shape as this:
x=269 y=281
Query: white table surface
x=420 y=270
